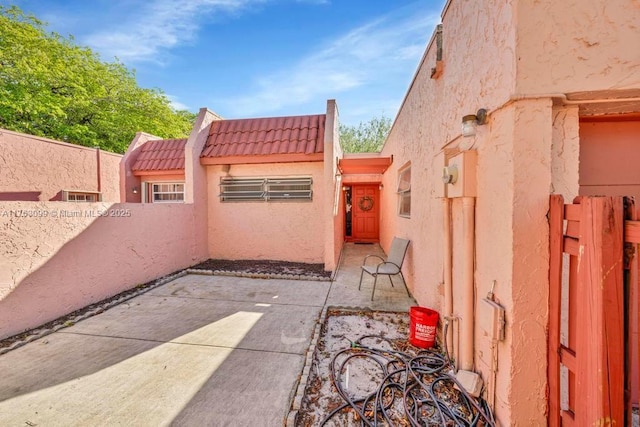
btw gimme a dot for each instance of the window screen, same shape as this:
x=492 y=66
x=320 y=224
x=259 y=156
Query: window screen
x=265 y=189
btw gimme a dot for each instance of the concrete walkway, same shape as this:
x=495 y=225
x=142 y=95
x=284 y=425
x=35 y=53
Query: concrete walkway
x=200 y=350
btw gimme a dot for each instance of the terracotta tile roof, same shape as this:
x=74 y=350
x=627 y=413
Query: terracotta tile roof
x=266 y=136
x=160 y=155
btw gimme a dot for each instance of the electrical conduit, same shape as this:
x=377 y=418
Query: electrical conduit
x=467 y=320
x=448 y=276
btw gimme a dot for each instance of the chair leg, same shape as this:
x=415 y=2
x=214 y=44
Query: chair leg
x=391 y=281
x=405 y=283
x=361 y=274
x=375 y=280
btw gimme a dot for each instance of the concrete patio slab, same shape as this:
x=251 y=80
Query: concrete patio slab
x=226 y=288
x=179 y=354
x=274 y=327
x=200 y=350
x=344 y=289
x=247 y=390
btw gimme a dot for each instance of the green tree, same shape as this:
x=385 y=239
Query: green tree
x=51 y=87
x=366 y=137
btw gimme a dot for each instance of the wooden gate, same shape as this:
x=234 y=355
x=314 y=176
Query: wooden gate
x=590 y=338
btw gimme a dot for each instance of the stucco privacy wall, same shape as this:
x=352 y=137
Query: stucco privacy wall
x=291 y=231
x=598 y=37
x=35 y=168
x=52 y=265
x=333 y=228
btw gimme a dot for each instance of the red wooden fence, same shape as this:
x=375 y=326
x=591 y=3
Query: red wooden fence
x=597 y=344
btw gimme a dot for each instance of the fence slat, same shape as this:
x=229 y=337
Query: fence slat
x=568 y=358
x=571 y=246
x=572 y=212
x=556 y=243
x=573 y=229
x=633 y=342
x=600 y=348
x=632 y=231
x=568 y=419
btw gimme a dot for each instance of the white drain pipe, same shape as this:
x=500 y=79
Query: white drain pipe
x=468 y=290
x=448 y=276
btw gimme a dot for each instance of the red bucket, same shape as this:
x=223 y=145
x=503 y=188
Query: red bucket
x=423 y=326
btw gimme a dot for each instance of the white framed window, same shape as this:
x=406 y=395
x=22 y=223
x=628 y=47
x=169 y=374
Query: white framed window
x=81 y=196
x=167 y=192
x=404 y=191
x=266 y=189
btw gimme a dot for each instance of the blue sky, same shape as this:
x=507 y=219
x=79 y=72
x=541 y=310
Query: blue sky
x=258 y=58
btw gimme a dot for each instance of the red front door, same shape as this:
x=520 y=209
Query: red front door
x=366 y=213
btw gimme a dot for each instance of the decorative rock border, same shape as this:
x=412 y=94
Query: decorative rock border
x=89 y=311
x=292 y=416
x=258 y=275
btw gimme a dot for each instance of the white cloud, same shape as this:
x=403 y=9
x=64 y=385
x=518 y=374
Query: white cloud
x=177 y=105
x=160 y=24
x=369 y=55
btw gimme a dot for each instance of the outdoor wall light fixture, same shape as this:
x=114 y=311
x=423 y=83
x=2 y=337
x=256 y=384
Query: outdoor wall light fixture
x=135 y=190
x=470 y=121
x=380 y=187
x=345 y=188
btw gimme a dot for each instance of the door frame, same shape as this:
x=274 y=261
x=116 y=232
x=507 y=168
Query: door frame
x=353 y=237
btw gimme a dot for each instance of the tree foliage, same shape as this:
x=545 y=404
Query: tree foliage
x=51 y=87
x=366 y=137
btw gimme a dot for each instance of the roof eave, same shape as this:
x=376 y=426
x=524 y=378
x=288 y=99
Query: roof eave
x=272 y=158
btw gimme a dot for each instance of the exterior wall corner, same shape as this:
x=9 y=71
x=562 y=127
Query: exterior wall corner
x=128 y=181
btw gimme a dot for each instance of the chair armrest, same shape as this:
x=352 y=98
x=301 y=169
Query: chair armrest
x=374 y=256
x=388 y=262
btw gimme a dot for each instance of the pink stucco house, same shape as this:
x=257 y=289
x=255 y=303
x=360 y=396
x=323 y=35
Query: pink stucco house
x=549 y=93
x=268 y=181
x=550 y=105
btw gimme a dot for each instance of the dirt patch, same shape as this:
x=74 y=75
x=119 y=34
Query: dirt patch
x=267 y=267
x=365 y=372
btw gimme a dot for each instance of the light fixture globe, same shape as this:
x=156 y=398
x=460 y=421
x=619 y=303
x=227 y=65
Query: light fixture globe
x=469 y=125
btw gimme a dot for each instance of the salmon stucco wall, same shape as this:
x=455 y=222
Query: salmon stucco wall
x=38 y=169
x=565 y=154
x=109 y=176
x=59 y=257
x=430 y=118
x=577 y=46
x=290 y=231
x=334 y=228
x=513 y=184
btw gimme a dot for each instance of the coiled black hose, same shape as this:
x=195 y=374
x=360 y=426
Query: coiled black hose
x=415 y=387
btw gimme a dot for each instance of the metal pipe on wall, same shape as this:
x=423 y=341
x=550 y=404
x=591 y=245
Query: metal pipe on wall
x=468 y=258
